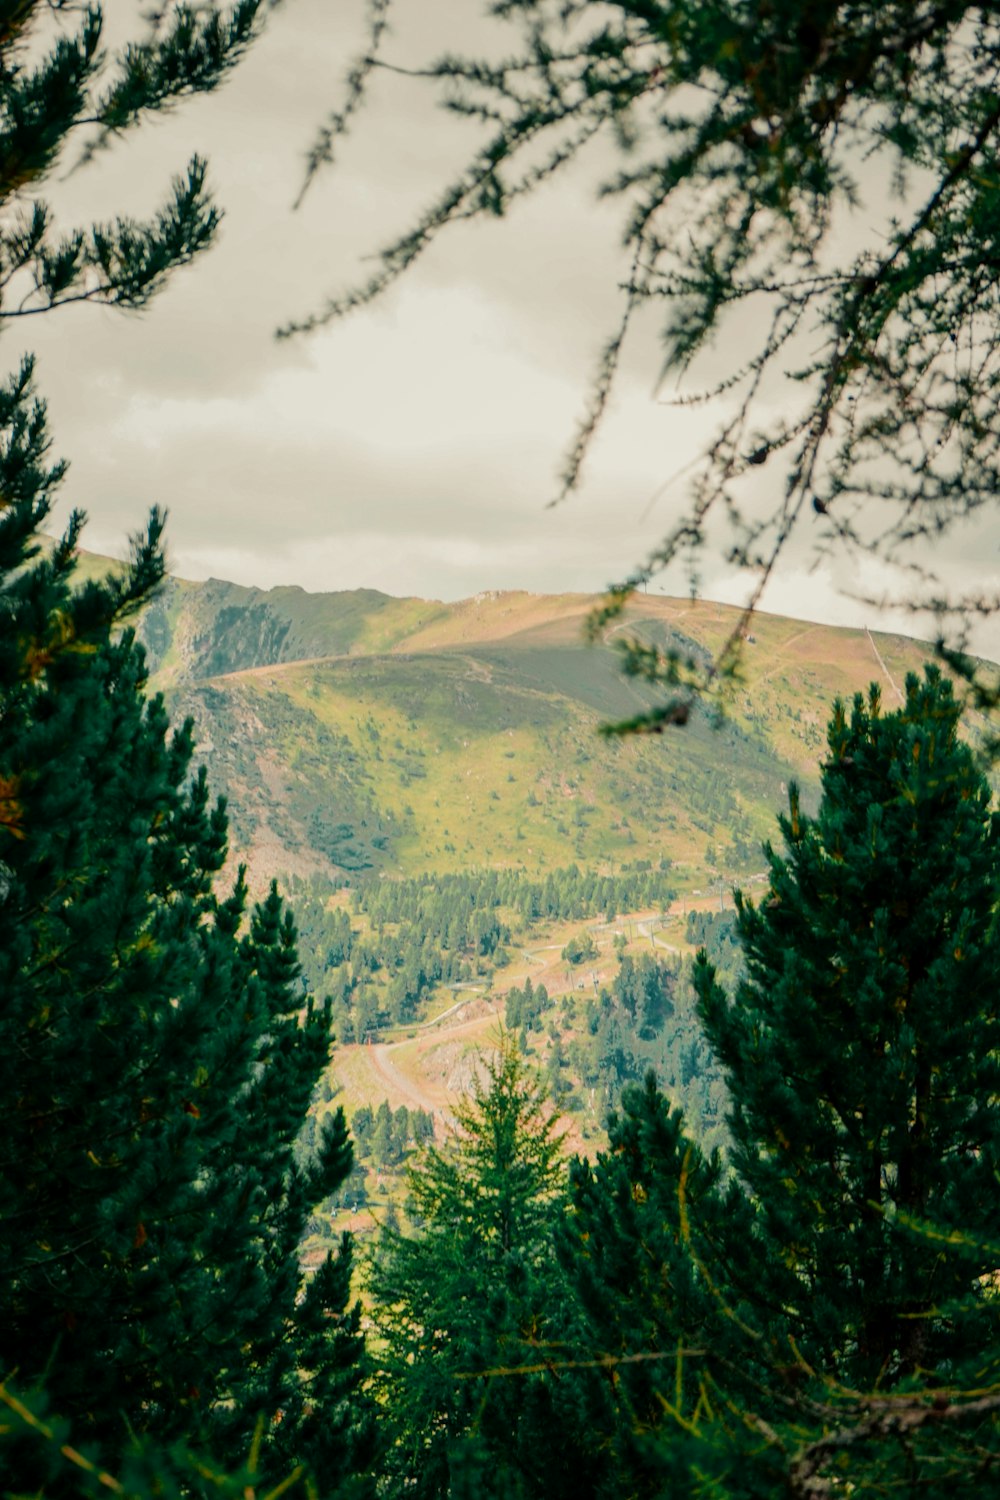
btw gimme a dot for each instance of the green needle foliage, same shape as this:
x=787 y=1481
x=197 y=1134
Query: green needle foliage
x=738 y=137
x=862 y=1049
x=157 y=1051
x=825 y=1312
x=57 y=83
x=473 y=1314
x=652 y=1243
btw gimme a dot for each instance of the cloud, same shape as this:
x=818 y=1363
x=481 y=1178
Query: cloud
x=413 y=446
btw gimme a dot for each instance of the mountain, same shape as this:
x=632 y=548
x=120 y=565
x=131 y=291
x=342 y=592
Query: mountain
x=355 y=732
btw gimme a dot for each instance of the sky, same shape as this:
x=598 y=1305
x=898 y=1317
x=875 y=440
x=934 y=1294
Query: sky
x=415 y=446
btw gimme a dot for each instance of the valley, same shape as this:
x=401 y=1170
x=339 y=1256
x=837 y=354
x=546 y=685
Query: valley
x=354 y=733
x=429 y=784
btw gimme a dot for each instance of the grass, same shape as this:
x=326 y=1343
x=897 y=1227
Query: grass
x=466 y=734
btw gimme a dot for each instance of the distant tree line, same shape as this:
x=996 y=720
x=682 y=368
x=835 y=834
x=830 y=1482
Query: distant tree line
x=430 y=931
x=561 y=895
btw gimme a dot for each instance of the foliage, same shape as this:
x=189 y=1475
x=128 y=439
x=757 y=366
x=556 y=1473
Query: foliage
x=32 y=1439
x=563 y=894
x=743 y=134
x=863 y=1046
x=467 y=1305
x=157 y=1052
x=579 y=949
x=647 y=1219
x=716 y=933
x=524 y=1006
x=644 y=1020
x=385 y=1136
x=431 y=931
x=58 y=80
x=824 y=1313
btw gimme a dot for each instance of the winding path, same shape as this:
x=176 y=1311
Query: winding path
x=383 y=1064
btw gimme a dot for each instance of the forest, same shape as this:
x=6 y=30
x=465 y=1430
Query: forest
x=781 y=1267
x=449 y=930
x=776 y=1273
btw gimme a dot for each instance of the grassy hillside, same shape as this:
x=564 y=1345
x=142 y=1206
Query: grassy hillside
x=438 y=761
x=355 y=732
x=356 y=735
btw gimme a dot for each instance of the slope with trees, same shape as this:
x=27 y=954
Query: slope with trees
x=439 y=756
x=416 y=936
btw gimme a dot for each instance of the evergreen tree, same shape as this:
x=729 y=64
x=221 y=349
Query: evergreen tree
x=826 y=1315
x=157 y=1052
x=653 y=1245
x=384 y=1144
x=472 y=1310
x=56 y=79
x=862 y=1049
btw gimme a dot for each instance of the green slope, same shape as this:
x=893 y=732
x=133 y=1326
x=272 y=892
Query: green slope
x=355 y=732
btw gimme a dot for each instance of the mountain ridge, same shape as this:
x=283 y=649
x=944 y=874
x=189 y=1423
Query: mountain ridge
x=354 y=733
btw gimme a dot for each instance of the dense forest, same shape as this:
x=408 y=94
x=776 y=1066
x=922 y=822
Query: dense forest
x=450 y=930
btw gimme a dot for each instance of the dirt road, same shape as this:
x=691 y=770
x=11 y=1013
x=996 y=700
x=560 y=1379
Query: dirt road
x=384 y=1066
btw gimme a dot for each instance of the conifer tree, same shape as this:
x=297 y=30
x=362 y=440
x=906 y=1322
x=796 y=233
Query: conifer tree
x=57 y=83
x=862 y=1049
x=826 y=1314
x=649 y=1248
x=157 y=1051
x=473 y=1311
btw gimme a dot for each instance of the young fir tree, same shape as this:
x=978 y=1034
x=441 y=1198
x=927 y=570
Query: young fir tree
x=157 y=1052
x=473 y=1312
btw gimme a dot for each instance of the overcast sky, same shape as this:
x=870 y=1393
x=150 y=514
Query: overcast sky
x=414 y=447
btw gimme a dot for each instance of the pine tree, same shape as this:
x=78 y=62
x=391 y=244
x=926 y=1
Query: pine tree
x=824 y=1315
x=862 y=1049
x=652 y=1246
x=157 y=1052
x=472 y=1310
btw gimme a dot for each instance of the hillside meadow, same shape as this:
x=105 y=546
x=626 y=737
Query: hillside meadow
x=360 y=738
x=354 y=733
